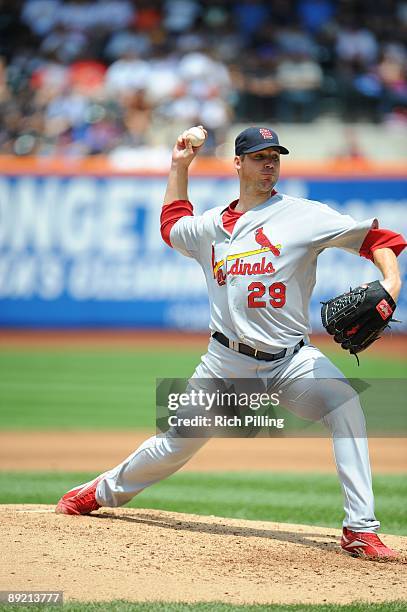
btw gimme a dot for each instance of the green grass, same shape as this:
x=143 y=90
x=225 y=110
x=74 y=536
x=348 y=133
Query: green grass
x=84 y=389
x=212 y=606
x=111 y=389
x=312 y=499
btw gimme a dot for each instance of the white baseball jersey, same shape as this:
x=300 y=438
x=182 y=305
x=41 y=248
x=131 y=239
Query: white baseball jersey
x=261 y=276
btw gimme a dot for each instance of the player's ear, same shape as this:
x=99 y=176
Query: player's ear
x=237 y=162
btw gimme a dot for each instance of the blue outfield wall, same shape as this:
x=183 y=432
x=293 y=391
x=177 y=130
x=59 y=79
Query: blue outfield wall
x=87 y=252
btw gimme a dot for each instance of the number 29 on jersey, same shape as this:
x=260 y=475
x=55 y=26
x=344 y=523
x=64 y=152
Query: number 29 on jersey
x=275 y=298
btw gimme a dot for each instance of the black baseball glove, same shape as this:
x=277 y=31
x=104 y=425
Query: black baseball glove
x=356 y=319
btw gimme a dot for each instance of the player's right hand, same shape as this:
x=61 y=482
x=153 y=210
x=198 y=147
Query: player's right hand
x=183 y=152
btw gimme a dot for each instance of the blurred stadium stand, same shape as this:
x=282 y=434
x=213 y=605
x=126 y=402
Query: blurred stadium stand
x=106 y=77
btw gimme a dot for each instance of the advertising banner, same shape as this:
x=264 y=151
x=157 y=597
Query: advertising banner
x=86 y=251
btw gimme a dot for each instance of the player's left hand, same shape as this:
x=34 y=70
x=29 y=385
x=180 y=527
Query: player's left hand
x=357 y=318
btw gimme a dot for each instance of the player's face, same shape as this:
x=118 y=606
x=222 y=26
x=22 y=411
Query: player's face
x=259 y=171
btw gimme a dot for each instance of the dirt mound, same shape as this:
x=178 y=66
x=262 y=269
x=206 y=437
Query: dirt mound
x=150 y=555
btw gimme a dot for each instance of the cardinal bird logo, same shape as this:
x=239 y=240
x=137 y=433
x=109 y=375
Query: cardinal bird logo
x=263 y=241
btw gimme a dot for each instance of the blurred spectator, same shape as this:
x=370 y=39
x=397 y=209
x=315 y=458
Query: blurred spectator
x=293 y=39
x=256 y=88
x=41 y=15
x=392 y=72
x=64 y=43
x=128 y=73
x=149 y=15
x=180 y=15
x=87 y=76
x=203 y=74
x=164 y=82
x=51 y=77
x=355 y=43
x=136 y=116
x=361 y=93
x=299 y=78
x=127 y=42
x=5 y=93
x=315 y=14
x=249 y=17
x=82 y=15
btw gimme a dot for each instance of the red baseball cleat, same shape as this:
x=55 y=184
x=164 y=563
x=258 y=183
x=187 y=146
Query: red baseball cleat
x=80 y=500
x=365 y=544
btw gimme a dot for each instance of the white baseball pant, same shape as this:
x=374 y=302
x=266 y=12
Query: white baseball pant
x=162 y=455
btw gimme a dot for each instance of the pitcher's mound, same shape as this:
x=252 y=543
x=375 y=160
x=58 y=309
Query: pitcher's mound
x=150 y=555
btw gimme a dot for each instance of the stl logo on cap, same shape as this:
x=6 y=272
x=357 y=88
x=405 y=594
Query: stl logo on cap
x=267 y=134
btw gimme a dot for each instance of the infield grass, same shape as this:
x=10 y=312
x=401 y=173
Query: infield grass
x=311 y=499
x=212 y=606
x=112 y=389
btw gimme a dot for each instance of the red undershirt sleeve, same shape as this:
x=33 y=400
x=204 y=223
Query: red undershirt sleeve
x=171 y=213
x=381 y=239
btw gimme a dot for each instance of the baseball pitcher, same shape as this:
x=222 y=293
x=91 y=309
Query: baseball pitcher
x=259 y=256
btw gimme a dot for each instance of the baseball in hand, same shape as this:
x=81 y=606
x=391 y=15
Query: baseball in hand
x=195 y=135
